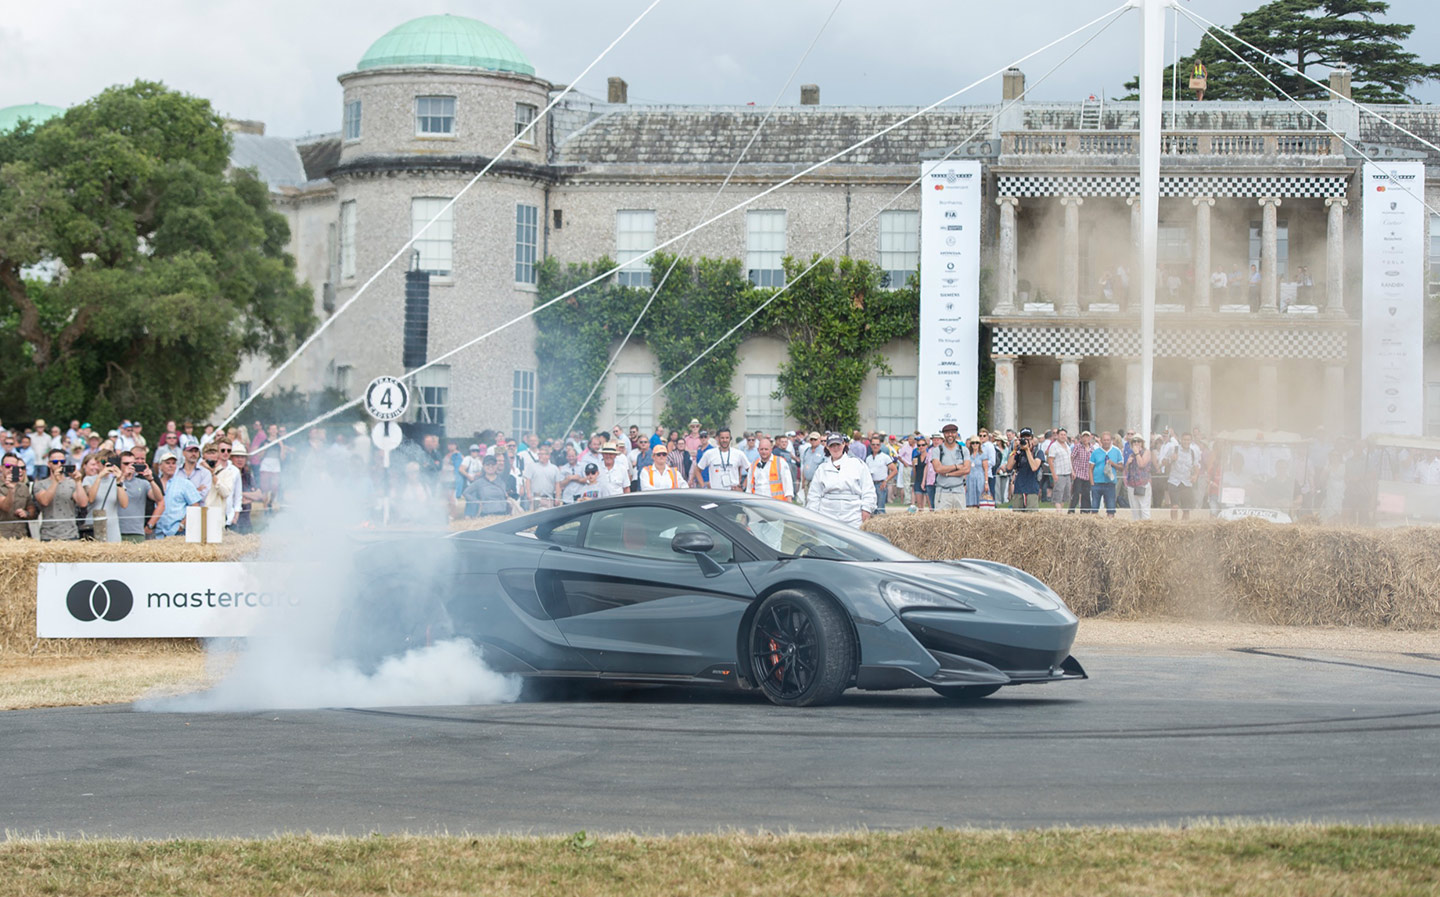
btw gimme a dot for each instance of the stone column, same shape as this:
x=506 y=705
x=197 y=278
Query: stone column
x=1269 y=260
x=1335 y=257
x=1008 y=280
x=1004 y=412
x=1203 y=204
x=1069 y=392
x=1269 y=390
x=1070 y=276
x=1134 y=414
x=1200 y=396
x=1133 y=265
x=1334 y=418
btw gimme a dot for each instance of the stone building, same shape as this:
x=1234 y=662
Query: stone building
x=1244 y=185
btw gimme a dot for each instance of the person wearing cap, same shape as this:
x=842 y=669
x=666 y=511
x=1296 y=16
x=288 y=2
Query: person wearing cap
x=1024 y=465
x=198 y=474
x=614 y=475
x=723 y=466
x=247 y=488
x=770 y=474
x=811 y=455
x=951 y=465
x=125 y=437
x=593 y=486
x=177 y=493
x=660 y=475
x=486 y=495
x=1138 y=472
x=841 y=488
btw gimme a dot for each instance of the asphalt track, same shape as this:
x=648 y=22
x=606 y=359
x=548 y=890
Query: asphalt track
x=1153 y=737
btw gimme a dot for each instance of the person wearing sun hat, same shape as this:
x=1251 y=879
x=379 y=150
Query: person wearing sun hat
x=660 y=475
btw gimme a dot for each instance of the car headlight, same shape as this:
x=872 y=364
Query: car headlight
x=902 y=596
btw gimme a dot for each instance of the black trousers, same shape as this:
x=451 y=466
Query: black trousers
x=1079 y=495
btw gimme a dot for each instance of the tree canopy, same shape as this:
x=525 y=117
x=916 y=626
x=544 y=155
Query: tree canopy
x=1313 y=37
x=136 y=271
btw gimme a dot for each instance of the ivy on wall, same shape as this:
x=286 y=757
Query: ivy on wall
x=835 y=321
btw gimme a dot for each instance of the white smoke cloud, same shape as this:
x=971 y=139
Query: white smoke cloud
x=370 y=629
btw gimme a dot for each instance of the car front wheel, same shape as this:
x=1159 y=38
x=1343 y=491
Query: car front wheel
x=802 y=653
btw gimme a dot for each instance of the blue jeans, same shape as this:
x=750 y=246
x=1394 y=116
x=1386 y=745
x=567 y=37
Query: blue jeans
x=1103 y=493
x=880 y=496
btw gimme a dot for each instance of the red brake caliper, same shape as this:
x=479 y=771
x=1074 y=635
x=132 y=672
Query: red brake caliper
x=778 y=670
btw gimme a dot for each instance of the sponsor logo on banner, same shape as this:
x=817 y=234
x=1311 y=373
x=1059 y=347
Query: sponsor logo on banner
x=947 y=387
x=1392 y=300
x=183 y=600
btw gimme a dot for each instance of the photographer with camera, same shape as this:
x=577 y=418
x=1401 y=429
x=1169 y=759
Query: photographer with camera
x=1025 y=465
x=17 y=499
x=61 y=500
x=106 y=496
x=137 y=483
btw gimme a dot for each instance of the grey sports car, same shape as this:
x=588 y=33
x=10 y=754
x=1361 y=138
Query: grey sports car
x=702 y=586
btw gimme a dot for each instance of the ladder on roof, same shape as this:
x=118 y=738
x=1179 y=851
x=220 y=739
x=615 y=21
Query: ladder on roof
x=1092 y=111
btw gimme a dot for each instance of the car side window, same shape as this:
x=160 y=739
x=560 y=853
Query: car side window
x=566 y=533
x=646 y=531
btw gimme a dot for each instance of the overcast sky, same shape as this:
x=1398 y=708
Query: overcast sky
x=277 y=61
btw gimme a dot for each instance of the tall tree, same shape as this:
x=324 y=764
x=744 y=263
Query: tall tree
x=1313 y=37
x=135 y=270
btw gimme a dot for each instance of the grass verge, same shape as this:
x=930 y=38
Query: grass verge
x=1239 y=860
x=50 y=681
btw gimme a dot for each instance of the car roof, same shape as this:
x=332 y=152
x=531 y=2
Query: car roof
x=688 y=499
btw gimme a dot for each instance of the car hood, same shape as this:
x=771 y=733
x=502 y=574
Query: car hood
x=972 y=584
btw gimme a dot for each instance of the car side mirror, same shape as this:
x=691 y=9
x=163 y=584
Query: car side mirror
x=698 y=544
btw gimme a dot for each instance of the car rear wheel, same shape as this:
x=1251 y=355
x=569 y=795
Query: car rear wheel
x=965 y=692
x=801 y=651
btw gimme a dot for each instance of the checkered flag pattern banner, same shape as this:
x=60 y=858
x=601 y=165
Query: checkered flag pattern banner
x=1307 y=187
x=1191 y=342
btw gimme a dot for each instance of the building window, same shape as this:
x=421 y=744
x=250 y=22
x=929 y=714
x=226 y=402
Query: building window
x=895 y=404
x=436 y=245
x=242 y=390
x=522 y=403
x=1432 y=408
x=524 y=115
x=633 y=402
x=765 y=248
x=432 y=392
x=634 y=236
x=1087 y=406
x=351 y=128
x=527 y=220
x=762 y=410
x=899 y=247
x=1173 y=244
x=344 y=375
x=347 y=239
x=1282 y=247
x=435 y=115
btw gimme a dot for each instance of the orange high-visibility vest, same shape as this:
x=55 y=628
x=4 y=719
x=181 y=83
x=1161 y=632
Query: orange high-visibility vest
x=674 y=483
x=777 y=485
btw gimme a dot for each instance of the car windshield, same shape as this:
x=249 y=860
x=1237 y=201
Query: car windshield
x=795 y=532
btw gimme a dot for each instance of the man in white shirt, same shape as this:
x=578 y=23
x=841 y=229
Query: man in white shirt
x=1183 y=458
x=660 y=475
x=882 y=471
x=1060 y=469
x=542 y=481
x=614 y=475
x=770 y=474
x=725 y=464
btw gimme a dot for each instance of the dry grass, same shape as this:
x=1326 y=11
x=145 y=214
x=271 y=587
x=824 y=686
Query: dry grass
x=1245 y=570
x=1241 y=861
x=114 y=678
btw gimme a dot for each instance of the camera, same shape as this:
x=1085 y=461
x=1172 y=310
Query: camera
x=139 y=466
x=68 y=469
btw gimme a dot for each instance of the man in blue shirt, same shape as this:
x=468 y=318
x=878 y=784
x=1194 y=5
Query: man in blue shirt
x=1106 y=462
x=179 y=494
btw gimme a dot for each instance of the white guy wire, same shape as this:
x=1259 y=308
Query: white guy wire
x=762 y=194
x=446 y=208
x=1201 y=20
x=906 y=189
x=1318 y=120
x=713 y=199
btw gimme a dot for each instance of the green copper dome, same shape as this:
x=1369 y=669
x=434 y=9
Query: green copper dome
x=39 y=113
x=446 y=40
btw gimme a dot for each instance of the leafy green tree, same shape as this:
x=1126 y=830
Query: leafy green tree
x=1313 y=37
x=164 y=269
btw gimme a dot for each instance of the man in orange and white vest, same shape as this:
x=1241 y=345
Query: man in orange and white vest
x=770 y=475
x=660 y=475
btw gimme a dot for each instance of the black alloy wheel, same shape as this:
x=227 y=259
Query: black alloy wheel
x=965 y=692
x=801 y=651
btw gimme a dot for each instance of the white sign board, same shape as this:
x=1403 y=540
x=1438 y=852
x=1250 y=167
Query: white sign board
x=194 y=600
x=947 y=390
x=204 y=524
x=386 y=436
x=386 y=398
x=1392 y=397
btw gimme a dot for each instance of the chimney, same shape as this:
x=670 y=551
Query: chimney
x=619 y=91
x=809 y=94
x=1013 y=86
x=1340 y=80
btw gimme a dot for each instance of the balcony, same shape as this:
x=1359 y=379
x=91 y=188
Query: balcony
x=1220 y=145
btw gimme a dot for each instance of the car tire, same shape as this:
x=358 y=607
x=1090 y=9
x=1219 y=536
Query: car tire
x=965 y=692
x=801 y=650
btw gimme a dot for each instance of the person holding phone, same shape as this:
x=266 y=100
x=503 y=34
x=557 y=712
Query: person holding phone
x=137 y=481
x=105 y=495
x=17 y=499
x=61 y=500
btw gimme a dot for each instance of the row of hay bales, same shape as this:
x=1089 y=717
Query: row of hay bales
x=1246 y=570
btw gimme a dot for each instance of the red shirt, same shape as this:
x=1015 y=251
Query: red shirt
x=1080 y=461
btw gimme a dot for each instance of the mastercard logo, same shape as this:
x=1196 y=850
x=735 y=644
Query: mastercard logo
x=110 y=600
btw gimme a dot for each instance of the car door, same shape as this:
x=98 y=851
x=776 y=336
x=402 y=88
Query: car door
x=631 y=605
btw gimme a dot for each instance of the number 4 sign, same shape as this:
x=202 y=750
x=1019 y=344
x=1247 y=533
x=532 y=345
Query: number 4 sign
x=386 y=398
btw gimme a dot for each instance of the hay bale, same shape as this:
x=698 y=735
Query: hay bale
x=1245 y=570
x=20 y=561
